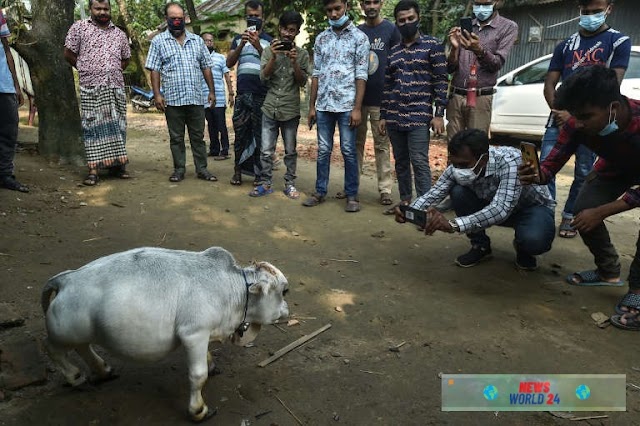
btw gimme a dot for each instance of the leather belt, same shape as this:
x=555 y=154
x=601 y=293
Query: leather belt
x=479 y=92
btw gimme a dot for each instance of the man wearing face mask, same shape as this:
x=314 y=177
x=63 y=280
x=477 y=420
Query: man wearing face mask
x=608 y=124
x=485 y=190
x=476 y=59
x=180 y=59
x=246 y=50
x=415 y=82
x=595 y=43
x=100 y=52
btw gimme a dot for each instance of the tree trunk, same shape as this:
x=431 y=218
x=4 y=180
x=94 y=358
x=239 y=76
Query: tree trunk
x=60 y=131
x=435 y=16
x=191 y=8
x=137 y=51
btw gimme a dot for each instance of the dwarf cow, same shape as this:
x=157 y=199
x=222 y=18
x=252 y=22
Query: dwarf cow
x=141 y=304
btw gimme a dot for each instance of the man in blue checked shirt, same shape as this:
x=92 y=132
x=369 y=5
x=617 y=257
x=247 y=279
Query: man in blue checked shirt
x=180 y=59
x=340 y=72
x=485 y=190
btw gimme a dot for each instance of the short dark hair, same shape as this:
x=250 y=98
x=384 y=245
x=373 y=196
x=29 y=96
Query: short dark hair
x=586 y=2
x=172 y=3
x=254 y=5
x=594 y=85
x=326 y=2
x=98 y=1
x=291 y=17
x=406 y=5
x=476 y=139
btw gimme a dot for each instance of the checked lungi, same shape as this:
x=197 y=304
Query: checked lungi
x=104 y=126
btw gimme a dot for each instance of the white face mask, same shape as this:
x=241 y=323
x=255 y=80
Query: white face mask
x=466 y=177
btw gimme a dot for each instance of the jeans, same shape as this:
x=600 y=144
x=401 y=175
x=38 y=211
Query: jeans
x=411 y=149
x=289 y=131
x=326 y=122
x=534 y=226
x=380 y=146
x=218 y=133
x=191 y=116
x=596 y=192
x=8 y=132
x=584 y=164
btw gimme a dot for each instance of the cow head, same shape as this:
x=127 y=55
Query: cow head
x=266 y=300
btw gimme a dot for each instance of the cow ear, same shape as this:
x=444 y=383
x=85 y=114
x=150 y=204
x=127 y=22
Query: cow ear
x=259 y=287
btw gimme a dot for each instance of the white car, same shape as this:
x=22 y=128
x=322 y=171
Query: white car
x=519 y=108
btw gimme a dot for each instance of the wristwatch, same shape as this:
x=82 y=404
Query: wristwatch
x=454 y=225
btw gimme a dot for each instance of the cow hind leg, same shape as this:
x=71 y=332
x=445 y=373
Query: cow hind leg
x=102 y=372
x=211 y=363
x=60 y=356
x=197 y=359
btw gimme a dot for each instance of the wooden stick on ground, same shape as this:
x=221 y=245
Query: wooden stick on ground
x=290 y=412
x=291 y=346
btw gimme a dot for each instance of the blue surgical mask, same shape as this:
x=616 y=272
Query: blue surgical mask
x=339 y=22
x=483 y=11
x=612 y=127
x=591 y=23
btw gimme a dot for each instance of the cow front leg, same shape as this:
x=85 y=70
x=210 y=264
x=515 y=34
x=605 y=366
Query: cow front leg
x=197 y=358
x=102 y=371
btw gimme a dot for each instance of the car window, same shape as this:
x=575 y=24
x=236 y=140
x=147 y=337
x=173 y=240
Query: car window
x=634 y=66
x=534 y=74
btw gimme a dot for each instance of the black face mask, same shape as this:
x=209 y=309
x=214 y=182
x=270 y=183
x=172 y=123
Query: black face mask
x=211 y=49
x=102 y=19
x=253 y=21
x=409 y=30
x=176 y=25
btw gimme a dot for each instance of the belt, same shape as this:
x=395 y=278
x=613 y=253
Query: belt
x=479 y=92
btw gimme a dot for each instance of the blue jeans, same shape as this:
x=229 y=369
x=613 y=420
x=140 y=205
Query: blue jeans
x=411 y=150
x=584 y=164
x=534 y=226
x=270 y=129
x=326 y=128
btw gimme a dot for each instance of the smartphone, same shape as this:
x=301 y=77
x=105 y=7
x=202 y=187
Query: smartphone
x=466 y=23
x=415 y=216
x=285 y=45
x=311 y=123
x=530 y=154
x=252 y=29
x=252 y=24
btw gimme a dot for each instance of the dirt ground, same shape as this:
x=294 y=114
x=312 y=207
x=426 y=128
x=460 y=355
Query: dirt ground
x=391 y=283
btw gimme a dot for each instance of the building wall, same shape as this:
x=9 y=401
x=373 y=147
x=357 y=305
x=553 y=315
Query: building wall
x=625 y=16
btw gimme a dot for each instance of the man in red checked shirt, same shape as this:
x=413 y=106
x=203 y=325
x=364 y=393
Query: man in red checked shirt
x=609 y=124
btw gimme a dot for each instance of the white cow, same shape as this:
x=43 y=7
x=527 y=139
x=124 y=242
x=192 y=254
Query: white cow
x=142 y=304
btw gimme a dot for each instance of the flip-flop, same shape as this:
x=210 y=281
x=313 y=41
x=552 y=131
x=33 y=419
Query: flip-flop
x=566 y=230
x=632 y=321
x=630 y=300
x=385 y=199
x=260 y=191
x=591 y=279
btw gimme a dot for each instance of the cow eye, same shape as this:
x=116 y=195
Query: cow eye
x=284 y=292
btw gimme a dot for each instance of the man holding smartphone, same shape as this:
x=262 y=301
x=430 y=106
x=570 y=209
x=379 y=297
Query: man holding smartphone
x=485 y=190
x=477 y=57
x=245 y=51
x=284 y=70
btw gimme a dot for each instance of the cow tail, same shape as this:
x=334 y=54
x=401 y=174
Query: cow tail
x=52 y=285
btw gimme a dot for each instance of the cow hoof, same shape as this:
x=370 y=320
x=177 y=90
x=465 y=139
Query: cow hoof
x=214 y=371
x=205 y=414
x=95 y=380
x=83 y=387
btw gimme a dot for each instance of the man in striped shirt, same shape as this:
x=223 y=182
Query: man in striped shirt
x=485 y=190
x=415 y=80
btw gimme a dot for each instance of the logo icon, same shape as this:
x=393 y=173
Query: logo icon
x=583 y=392
x=490 y=393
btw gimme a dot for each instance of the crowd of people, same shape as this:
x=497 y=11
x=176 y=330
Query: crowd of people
x=398 y=83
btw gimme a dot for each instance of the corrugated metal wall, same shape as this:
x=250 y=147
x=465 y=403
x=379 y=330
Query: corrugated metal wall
x=625 y=18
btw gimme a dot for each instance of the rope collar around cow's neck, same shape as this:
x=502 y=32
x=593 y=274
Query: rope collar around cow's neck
x=244 y=325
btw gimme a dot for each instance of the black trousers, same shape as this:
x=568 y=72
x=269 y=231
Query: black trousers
x=218 y=134
x=8 y=132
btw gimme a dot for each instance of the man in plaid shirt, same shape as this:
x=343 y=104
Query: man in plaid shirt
x=484 y=187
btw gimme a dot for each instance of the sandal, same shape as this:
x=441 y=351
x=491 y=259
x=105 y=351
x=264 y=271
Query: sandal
x=385 y=199
x=261 y=190
x=591 y=279
x=176 y=177
x=207 y=175
x=566 y=230
x=236 y=179
x=291 y=192
x=392 y=210
x=629 y=321
x=91 y=179
x=314 y=200
x=120 y=172
x=10 y=182
x=628 y=301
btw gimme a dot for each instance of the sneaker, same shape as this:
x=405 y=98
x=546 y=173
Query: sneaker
x=291 y=192
x=474 y=256
x=526 y=262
